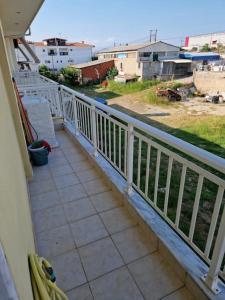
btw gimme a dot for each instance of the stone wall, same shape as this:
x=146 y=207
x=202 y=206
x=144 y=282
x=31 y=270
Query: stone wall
x=209 y=81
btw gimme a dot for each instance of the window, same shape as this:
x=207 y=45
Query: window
x=70 y=60
x=214 y=42
x=121 y=55
x=63 y=51
x=57 y=61
x=139 y=65
x=145 y=54
x=61 y=61
x=43 y=50
x=121 y=66
x=71 y=49
x=52 y=52
x=47 y=61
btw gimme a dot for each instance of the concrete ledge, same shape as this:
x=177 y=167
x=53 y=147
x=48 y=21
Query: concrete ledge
x=187 y=265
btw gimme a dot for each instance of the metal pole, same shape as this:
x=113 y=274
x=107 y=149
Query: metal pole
x=94 y=135
x=211 y=279
x=130 y=158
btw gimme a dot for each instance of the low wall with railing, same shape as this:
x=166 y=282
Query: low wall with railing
x=183 y=183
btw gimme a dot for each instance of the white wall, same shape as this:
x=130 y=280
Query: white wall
x=201 y=40
x=76 y=55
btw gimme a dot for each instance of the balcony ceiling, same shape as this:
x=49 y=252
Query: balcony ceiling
x=16 y=16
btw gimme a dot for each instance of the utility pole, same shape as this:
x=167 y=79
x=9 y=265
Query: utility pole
x=153 y=35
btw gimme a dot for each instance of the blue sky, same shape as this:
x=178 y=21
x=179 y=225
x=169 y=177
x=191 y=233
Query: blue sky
x=123 y=21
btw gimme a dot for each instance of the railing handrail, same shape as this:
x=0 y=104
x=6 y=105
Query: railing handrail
x=210 y=159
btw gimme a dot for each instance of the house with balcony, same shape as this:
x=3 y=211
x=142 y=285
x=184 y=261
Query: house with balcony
x=147 y=61
x=55 y=53
x=121 y=211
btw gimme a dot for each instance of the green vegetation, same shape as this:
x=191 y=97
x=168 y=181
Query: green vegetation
x=131 y=87
x=112 y=73
x=205 y=48
x=70 y=74
x=44 y=70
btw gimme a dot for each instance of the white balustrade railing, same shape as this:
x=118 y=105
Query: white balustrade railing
x=25 y=78
x=48 y=91
x=182 y=182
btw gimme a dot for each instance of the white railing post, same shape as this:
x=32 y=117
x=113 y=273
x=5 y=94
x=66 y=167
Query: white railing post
x=61 y=101
x=211 y=278
x=130 y=158
x=75 y=116
x=93 y=127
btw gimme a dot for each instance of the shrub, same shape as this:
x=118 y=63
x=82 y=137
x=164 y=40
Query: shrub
x=70 y=74
x=112 y=73
x=44 y=70
x=205 y=48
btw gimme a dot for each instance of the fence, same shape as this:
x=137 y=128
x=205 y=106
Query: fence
x=183 y=183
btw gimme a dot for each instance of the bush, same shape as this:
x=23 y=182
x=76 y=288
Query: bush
x=112 y=73
x=44 y=70
x=70 y=74
x=205 y=48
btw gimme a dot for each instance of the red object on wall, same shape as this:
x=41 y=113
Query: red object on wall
x=97 y=71
x=186 y=41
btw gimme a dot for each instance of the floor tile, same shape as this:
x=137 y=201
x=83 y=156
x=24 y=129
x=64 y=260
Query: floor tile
x=55 y=241
x=154 y=277
x=117 y=285
x=69 y=271
x=81 y=166
x=72 y=193
x=40 y=187
x=88 y=230
x=99 y=258
x=181 y=294
x=61 y=170
x=79 y=209
x=96 y=186
x=117 y=219
x=75 y=157
x=80 y=293
x=105 y=201
x=57 y=161
x=49 y=218
x=132 y=243
x=41 y=173
x=65 y=180
x=45 y=200
x=88 y=175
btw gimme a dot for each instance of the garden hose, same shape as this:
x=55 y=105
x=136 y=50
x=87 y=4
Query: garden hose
x=43 y=280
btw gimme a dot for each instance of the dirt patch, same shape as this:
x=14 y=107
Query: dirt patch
x=193 y=107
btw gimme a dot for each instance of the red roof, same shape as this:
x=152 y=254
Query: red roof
x=79 y=44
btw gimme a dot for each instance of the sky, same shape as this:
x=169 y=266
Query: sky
x=104 y=23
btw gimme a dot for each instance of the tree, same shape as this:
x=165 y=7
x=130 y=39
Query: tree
x=44 y=70
x=205 y=48
x=112 y=73
x=70 y=74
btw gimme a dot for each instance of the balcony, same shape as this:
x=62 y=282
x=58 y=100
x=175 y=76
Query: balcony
x=124 y=210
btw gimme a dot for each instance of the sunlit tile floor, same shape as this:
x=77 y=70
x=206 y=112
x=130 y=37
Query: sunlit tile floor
x=97 y=249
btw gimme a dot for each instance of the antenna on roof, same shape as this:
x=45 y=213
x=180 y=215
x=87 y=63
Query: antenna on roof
x=153 y=35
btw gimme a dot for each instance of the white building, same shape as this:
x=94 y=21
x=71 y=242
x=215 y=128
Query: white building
x=198 y=41
x=57 y=53
x=148 y=60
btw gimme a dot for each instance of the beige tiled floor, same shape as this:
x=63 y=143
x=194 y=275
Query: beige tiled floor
x=97 y=249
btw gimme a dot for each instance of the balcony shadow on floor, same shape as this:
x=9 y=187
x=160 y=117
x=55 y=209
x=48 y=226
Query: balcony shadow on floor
x=177 y=132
